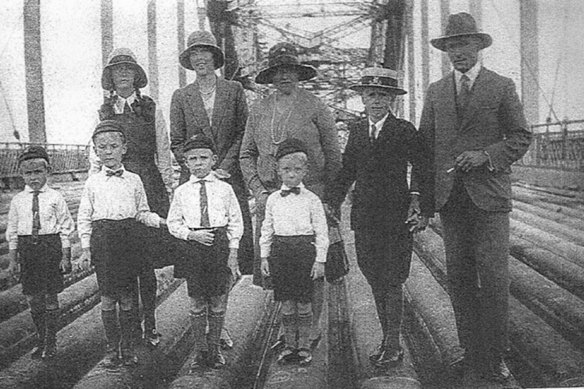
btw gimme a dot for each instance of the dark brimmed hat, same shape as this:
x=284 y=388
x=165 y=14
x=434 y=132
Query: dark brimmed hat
x=290 y=146
x=381 y=78
x=284 y=55
x=33 y=152
x=461 y=25
x=119 y=56
x=199 y=141
x=108 y=126
x=202 y=39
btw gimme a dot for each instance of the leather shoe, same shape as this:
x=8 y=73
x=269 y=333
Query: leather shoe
x=199 y=361
x=217 y=360
x=374 y=356
x=389 y=358
x=499 y=370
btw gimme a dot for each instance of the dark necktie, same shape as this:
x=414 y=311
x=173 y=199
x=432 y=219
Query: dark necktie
x=286 y=192
x=127 y=108
x=204 y=205
x=372 y=133
x=117 y=173
x=464 y=94
x=36 y=217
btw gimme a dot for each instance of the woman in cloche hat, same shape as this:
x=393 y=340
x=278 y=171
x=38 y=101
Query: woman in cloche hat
x=289 y=112
x=148 y=155
x=216 y=108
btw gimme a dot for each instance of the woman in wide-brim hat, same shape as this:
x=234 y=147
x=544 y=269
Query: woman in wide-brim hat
x=290 y=112
x=148 y=155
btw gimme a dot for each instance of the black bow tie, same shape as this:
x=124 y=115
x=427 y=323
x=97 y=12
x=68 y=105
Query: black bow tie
x=286 y=192
x=117 y=173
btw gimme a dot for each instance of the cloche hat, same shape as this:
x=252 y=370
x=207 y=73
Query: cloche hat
x=382 y=78
x=284 y=54
x=461 y=25
x=119 y=56
x=203 y=39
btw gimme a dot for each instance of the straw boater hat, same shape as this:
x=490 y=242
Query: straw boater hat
x=382 y=78
x=461 y=25
x=284 y=55
x=202 y=39
x=118 y=56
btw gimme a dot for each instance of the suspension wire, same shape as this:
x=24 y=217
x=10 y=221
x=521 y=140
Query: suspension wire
x=527 y=64
x=560 y=59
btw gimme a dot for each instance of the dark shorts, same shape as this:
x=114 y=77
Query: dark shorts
x=205 y=267
x=291 y=261
x=117 y=251
x=39 y=264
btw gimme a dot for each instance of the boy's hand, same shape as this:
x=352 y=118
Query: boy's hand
x=317 y=270
x=85 y=259
x=415 y=221
x=233 y=264
x=205 y=237
x=333 y=213
x=162 y=221
x=13 y=265
x=65 y=264
x=265 y=267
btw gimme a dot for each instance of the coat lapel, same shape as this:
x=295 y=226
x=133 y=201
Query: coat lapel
x=447 y=99
x=195 y=103
x=221 y=94
x=478 y=88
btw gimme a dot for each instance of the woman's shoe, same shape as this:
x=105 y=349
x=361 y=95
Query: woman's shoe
x=389 y=358
x=304 y=356
x=287 y=355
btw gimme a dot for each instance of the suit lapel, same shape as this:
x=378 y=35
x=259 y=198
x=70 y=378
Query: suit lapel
x=219 y=106
x=447 y=98
x=195 y=103
x=478 y=87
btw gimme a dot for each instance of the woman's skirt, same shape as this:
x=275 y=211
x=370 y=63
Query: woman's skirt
x=39 y=264
x=291 y=261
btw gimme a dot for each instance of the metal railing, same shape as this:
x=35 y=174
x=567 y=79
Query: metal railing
x=557 y=145
x=64 y=158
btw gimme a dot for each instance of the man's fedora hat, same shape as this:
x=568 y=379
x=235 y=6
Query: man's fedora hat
x=119 y=56
x=284 y=54
x=381 y=78
x=205 y=40
x=461 y=25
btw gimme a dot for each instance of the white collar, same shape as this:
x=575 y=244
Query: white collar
x=208 y=178
x=472 y=74
x=379 y=124
x=42 y=189
x=285 y=187
x=122 y=101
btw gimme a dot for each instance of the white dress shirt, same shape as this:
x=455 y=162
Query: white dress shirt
x=54 y=215
x=295 y=214
x=223 y=209
x=113 y=198
x=472 y=75
x=163 y=155
x=378 y=126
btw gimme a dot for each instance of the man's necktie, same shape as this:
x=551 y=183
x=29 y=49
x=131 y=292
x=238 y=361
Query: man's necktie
x=204 y=205
x=372 y=133
x=117 y=173
x=36 y=217
x=127 y=108
x=464 y=93
x=286 y=192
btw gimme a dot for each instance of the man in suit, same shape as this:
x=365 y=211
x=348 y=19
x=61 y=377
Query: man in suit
x=217 y=108
x=385 y=210
x=474 y=125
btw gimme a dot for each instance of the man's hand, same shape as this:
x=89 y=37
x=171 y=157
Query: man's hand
x=468 y=160
x=260 y=203
x=85 y=259
x=333 y=213
x=265 y=267
x=415 y=221
x=65 y=264
x=233 y=264
x=205 y=237
x=317 y=270
x=13 y=265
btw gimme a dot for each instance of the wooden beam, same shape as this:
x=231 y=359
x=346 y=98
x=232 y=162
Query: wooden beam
x=411 y=60
x=180 y=25
x=152 y=50
x=107 y=30
x=35 y=103
x=425 y=42
x=444 y=13
x=529 y=59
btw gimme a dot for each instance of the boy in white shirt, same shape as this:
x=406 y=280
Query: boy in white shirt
x=293 y=246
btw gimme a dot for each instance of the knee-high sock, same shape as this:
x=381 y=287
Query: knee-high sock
x=304 y=326
x=290 y=324
x=216 y=320
x=199 y=322
x=127 y=327
x=381 y=306
x=148 y=296
x=111 y=327
x=52 y=321
x=39 y=319
x=395 y=309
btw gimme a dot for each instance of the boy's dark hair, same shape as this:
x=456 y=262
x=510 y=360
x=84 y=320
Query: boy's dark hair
x=33 y=152
x=290 y=146
x=109 y=126
x=199 y=141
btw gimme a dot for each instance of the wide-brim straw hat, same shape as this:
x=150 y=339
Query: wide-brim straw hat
x=382 y=78
x=119 y=56
x=284 y=55
x=202 y=39
x=461 y=25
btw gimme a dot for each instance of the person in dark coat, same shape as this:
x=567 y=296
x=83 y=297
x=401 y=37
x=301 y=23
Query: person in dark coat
x=474 y=125
x=385 y=210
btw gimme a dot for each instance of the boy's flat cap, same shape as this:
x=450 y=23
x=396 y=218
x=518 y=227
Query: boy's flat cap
x=33 y=152
x=199 y=141
x=290 y=146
